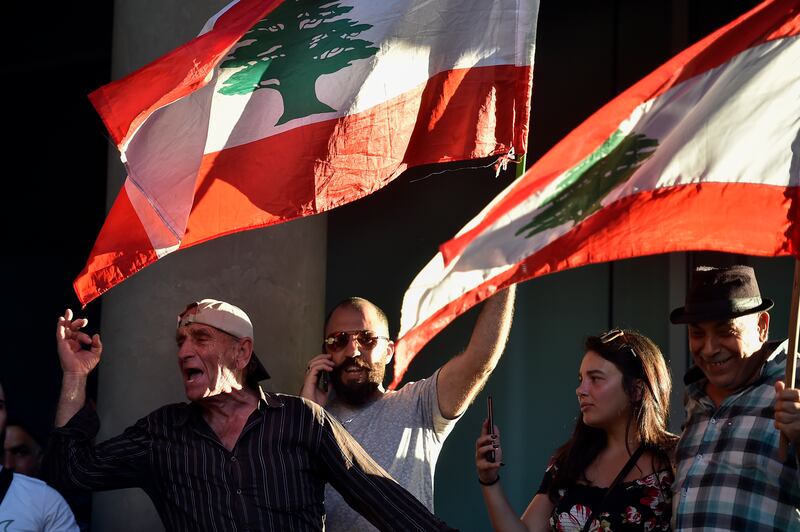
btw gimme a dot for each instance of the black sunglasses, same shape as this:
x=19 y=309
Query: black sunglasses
x=339 y=340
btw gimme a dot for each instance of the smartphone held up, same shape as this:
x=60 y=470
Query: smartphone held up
x=490 y=456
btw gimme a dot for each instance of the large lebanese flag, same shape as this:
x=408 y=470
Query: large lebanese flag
x=281 y=109
x=702 y=154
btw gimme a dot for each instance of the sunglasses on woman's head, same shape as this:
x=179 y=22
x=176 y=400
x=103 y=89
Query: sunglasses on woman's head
x=339 y=340
x=612 y=335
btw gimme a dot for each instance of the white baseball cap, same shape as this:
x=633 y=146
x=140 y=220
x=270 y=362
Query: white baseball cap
x=227 y=318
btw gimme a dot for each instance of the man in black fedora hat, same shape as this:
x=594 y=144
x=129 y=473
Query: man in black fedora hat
x=729 y=473
x=234 y=457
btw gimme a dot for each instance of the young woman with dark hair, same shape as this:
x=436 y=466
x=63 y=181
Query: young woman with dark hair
x=615 y=472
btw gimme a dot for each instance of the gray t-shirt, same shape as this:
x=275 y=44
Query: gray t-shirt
x=404 y=432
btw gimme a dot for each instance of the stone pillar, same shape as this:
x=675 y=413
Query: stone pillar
x=276 y=274
x=677 y=348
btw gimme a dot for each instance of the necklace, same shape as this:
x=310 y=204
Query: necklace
x=347 y=415
x=350 y=416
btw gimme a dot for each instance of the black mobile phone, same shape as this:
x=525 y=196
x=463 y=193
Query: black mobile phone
x=323 y=381
x=490 y=455
x=324 y=377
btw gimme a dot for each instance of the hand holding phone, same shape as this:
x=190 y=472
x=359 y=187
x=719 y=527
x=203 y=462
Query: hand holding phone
x=490 y=455
x=316 y=381
x=323 y=380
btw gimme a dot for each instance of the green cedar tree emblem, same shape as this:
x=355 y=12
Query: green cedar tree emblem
x=583 y=188
x=288 y=50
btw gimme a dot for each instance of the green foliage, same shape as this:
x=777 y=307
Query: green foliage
x=291 y=48
x=583 y=188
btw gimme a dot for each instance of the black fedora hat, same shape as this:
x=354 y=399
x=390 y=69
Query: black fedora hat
x=721 y=294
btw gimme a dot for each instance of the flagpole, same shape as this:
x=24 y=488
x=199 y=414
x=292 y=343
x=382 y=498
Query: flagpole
x=520 y=166
x=791 y=353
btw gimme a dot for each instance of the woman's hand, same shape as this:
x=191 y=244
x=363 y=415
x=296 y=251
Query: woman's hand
x=488 y=471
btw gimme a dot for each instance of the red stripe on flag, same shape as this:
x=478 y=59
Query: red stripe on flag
x=121 y=249
x=450 y=119
x=303 y=171
x=768 y=21
x=126 y=103
x=749 y=219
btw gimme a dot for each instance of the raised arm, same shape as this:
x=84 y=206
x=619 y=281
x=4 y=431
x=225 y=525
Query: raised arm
x=463 y=376
x=79 y=354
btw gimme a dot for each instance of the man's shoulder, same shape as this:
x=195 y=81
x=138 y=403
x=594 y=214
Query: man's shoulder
x=294 y=405
x=425 y=392
x=20 y=480
x=775 y=364
x=409 y=392
x=279 y=400
x=33 y=505
x=414 y=400
x=415 y=387
x=33 y=486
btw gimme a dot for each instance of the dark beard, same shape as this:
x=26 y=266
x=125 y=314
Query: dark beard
x=357 y=394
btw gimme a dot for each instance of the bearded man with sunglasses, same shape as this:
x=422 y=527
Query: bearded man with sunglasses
x=402 y=430
x=730 y=475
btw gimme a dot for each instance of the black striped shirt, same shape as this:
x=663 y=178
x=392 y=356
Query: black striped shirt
x=273 y=479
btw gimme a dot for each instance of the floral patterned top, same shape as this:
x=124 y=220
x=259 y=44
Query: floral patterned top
x=641 y=504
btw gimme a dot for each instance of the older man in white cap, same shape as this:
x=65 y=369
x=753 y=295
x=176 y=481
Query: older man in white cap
x=234 y=457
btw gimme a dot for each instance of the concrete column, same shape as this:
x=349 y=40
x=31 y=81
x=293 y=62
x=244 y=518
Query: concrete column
x=677 y=347
x=277 y=275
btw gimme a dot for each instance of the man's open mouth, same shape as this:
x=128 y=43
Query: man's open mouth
x=192 y=373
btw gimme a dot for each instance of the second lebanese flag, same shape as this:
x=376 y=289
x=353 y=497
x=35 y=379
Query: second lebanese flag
x=286 y=109
x=702 y=154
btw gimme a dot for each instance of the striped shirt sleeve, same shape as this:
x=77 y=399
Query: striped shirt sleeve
x=73 y=462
